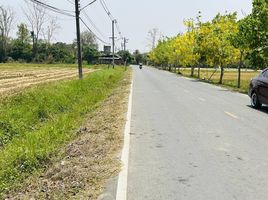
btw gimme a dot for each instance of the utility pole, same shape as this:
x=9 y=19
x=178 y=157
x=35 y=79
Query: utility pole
x=2 y=55
x=79 y=54
x=113 y=22
x=34 y=46
x=125 y=42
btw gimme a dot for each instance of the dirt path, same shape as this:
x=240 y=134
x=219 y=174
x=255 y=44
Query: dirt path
x=89 y=161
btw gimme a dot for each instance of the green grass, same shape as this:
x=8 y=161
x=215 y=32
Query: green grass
x=229 y=78
x=35 y=124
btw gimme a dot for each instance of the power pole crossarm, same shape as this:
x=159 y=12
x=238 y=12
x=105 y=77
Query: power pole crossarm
x=79 y=53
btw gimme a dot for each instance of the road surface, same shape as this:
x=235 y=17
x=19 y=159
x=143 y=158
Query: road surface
x=194 y=141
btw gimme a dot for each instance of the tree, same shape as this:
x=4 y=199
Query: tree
x=36 y=16
x=21 y=48
x=6 y=21
x=161 y=54
x=61 y=53
x=239 y=40
x=50 y=30
x=216 y=44
x=198 y=39
x=189 y=46
x=6 y=24
x=23 y=34
x=137 y=57
x=254 y=28
x=88 y=38
x=89 y=47
x=126 y=56
x=90 y=54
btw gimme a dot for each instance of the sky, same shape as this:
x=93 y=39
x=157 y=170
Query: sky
x=135 y=17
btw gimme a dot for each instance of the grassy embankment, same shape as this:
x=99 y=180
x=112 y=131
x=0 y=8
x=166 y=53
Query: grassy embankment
x=36 y=123
x=229 y=78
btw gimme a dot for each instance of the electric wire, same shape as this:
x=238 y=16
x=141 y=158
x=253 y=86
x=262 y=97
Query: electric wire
x=108 y=12
x=104 y=6
x=53 y=9
x=98 y=38
x=93 y=24
x=68 y=13
x=88 y=5
x=70 y=2
x=118 y=30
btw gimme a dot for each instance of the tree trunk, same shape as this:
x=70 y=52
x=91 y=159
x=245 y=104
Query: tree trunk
x=239 y=76
x=221 y=75
x=239 y=70
x=199 y=71
x=192 y=71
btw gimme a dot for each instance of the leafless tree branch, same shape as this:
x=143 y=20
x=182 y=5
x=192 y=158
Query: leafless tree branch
x=7 y=17
x=50 y=30
x=36 y=16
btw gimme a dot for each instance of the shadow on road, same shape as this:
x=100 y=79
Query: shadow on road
x=263 y=109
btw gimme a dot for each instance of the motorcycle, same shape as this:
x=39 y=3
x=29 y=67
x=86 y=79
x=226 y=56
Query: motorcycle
x=140 y=66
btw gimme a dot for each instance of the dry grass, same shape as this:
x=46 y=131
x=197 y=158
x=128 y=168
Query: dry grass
x=82 y=168
x=229 y=78
x=16 y=79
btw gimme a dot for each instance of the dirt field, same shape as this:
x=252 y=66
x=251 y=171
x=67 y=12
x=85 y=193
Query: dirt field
x=17 y=79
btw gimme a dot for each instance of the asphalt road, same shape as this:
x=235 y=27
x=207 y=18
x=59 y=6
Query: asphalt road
x=194 y=141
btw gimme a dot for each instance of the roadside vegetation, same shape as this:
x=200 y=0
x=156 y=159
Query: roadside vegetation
x=229 y=79
x=36 y=123
x=224 y=42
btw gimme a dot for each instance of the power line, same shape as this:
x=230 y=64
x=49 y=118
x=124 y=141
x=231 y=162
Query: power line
x=88 y=5
x=118 y=30
x=70 y=2
x=53 y=9
x=108 y=12
x=93 y=24
x=68 y=13
x=98 y=38
x=103 y=4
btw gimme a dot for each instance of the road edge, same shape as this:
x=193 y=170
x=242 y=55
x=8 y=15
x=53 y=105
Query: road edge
x=121 y=193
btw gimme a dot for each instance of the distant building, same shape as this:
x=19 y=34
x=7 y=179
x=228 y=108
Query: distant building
x=107 y=50
x=108 y=59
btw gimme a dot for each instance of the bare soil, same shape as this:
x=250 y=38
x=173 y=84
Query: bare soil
x=13 y=81
x=82 y=168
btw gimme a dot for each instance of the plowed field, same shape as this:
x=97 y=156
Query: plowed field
x=15 y=80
